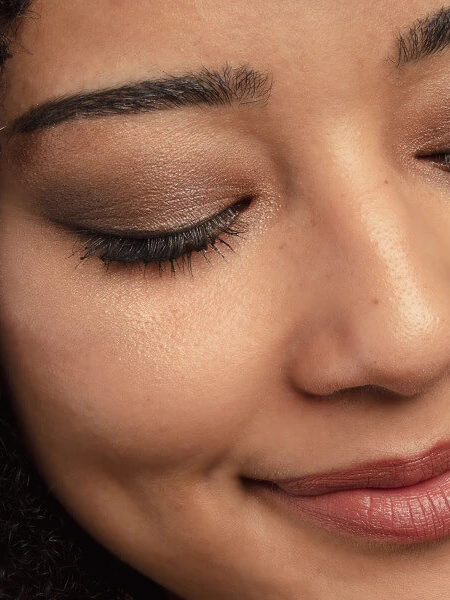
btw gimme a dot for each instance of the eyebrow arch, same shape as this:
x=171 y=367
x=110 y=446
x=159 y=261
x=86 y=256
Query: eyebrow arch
x=428 y=35
x=226 y=86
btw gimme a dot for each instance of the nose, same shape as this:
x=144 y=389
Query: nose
x=381 y=310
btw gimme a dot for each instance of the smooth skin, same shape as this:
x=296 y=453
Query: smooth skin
x=323 y=340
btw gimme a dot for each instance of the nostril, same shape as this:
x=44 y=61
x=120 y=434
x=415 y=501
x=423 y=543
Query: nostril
x=376 y=393
x=365 y=392
x=368 y=389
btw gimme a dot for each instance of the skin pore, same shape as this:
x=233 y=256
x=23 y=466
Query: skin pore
x=319 y=341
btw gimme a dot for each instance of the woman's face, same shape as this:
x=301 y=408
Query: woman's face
x=318 y=344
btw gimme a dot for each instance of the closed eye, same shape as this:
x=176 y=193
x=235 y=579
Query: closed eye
x=161 y=247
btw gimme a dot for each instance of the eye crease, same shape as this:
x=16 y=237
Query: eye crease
x=163 y=247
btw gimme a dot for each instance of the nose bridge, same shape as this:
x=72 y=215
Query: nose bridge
x=385 y=316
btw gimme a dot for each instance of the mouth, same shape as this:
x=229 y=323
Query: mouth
x=402 y=500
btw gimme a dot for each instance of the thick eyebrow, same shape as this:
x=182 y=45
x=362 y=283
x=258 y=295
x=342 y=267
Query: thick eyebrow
x=428 y=35
x=226 y=86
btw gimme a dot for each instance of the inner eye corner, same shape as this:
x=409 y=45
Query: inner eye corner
x=440 y=159
x=245 y=200
x=424 y=155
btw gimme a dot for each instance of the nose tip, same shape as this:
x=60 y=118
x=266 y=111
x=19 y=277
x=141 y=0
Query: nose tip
x=404 y=343
x=387 y=327
x=386 y=356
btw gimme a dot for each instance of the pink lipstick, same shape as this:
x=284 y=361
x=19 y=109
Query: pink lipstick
x=403 y=500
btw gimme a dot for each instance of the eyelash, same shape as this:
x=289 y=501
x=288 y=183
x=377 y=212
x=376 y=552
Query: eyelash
x=163 y=248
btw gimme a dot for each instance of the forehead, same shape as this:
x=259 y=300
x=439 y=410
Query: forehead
x=83 y=45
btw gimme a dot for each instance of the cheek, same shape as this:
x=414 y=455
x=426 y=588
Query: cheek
x=119 y=373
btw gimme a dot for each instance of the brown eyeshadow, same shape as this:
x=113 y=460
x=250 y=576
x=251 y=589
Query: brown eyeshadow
x=135 y=174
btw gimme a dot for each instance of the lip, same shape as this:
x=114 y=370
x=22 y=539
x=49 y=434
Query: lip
x=402 y=500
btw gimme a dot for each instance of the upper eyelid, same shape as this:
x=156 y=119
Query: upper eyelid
x=146 y=234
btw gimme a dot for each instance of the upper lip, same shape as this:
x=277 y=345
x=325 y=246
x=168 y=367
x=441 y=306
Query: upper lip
x=386 y=473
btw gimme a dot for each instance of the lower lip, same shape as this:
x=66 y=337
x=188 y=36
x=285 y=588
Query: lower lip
x=417 y=513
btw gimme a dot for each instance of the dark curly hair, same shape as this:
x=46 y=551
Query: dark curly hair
x=44 y=554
